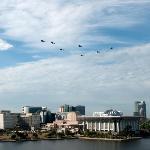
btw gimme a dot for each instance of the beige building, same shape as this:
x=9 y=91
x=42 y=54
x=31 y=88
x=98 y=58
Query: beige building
x=70 y=122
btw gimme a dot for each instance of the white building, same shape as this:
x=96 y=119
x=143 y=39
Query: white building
x=108 y=123
x=110 y=112
x=110 y=120
x=8 y=120
x=99 y=114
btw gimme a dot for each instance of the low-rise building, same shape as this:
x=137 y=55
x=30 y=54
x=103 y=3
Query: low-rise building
x=68 y=122
x=108 y=123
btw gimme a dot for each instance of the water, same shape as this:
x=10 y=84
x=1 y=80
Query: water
x=143 y=144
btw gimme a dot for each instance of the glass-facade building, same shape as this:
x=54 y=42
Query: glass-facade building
x=140 y=109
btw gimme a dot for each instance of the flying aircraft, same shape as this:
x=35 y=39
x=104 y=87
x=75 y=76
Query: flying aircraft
x=52 y=42
x=79 y=45
x=42 y=41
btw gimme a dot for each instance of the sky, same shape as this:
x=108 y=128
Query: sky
x=38 y=73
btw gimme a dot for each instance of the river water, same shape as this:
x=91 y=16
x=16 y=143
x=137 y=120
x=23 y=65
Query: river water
x=143 y=144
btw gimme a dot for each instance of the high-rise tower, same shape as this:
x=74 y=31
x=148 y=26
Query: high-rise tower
x=140 y=109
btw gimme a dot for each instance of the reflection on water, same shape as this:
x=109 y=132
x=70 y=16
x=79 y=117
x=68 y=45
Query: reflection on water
x=143 y=144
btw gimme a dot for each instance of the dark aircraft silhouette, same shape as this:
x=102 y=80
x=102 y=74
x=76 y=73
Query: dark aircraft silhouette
x=42 y=41
x=111 y=47
x=52 y=43
x=81 y=55
x=98 y=52
x=79 y=45
x=61 y=49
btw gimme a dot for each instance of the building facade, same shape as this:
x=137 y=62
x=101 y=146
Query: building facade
x=32 y=109
x=140 y=109
x=8 y=120
x=108 y=123
x=80 y=109
x=110 y=112
x=68 y=108
x=29 y=120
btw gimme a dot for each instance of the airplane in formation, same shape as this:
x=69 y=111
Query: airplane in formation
x=61 y=49
x=52 y=42
x=42 y=41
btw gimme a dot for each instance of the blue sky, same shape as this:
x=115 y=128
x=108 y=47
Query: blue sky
x=35 y=73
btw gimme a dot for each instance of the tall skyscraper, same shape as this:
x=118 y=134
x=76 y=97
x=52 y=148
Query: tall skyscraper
x=140 y=109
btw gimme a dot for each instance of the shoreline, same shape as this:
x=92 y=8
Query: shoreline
x=69 y=138
x=39 y=139
x=109 y=139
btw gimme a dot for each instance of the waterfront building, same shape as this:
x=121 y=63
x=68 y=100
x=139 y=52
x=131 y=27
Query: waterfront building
x=69 y=122
x=8 y=120
x=114 y=122
x=140 y=109
x=29 y=120
x=108 y=123
x=42 y=111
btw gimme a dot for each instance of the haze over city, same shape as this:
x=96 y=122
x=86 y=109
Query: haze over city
x=100 y=58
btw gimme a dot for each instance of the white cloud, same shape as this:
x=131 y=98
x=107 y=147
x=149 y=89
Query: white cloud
x=36 y=57
x=110 y=79
x=64 y=22
x=4 y=45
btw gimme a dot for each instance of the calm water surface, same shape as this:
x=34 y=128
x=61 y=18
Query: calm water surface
x=143 y=144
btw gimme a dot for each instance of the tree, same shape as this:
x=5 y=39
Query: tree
x=13 y=136
x=145 y=125
x=34 y=135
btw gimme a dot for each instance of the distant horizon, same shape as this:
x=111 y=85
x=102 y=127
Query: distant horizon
x=54 y=110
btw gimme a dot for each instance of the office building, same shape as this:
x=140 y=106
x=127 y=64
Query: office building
x=32 y=109
x=140 y=109
x=8 y=120
x=29 y=120
x=80 y=109
x=68 y=108
x=47 y=116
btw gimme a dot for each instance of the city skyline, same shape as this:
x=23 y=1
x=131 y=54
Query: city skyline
x=114 y=41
